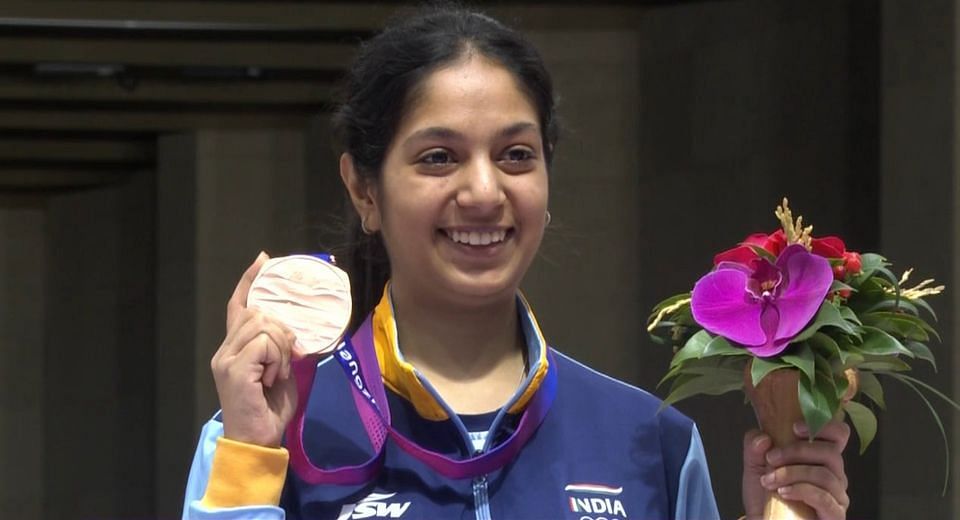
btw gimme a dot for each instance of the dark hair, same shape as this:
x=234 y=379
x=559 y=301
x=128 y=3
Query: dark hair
x=378 y=90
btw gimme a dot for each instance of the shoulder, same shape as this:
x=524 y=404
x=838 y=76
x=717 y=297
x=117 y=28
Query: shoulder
x=586 y=388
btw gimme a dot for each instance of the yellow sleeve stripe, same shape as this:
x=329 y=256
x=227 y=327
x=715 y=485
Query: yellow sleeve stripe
x=245 y=475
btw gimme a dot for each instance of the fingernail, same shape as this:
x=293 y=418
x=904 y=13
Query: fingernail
x=759 y=442
x=767 y=479
x=801 y=428
x=784 y=491
x=774 y=456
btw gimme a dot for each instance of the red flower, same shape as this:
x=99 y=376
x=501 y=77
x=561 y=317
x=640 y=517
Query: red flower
x=852 y=263
x=773 y=243
x=834 y=248
x=828 y=247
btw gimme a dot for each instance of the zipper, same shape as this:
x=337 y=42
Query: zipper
x=480 y=499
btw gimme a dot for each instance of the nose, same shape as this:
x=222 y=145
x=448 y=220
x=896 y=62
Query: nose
x=481 y=186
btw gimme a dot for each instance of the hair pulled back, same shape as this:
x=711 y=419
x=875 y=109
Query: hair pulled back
x=381 y=85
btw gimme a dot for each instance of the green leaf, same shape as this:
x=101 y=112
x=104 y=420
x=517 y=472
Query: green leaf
x=864 y=421
x=921 y=351
x=892 y=278
x=731 y=365
x=869 y=262
x=829 y=348
x=894 y=305
x=828 y=315
x=719 y=346
x=870 y=386
x=879 y=343
x=707 y=384
x=818 y=403
x=848 y=314
x=676 y=315
x=936 y=418
x=899 y=324
x=841 y=383
x=802 y=359
x=827 y=378
x=837 y=285
x=761 y=367
x=763 y=253
x=693 y=348
x=929 y=388
x=920 y=302
x=668 y=302
x=683 y=316
x=883 y=364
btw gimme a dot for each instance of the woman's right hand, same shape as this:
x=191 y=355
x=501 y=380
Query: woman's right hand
x=252 y=372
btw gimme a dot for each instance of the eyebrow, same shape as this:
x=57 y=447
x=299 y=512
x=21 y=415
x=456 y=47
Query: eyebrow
x=442 y=132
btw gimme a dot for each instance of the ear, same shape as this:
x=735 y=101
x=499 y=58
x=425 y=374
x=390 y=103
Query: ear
x=362 y=193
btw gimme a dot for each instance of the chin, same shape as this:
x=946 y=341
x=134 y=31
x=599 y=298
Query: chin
x=482 y=292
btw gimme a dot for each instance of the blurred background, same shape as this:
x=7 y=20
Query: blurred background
x=150 y=149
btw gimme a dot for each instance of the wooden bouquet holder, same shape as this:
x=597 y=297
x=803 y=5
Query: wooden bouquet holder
x=777 y=407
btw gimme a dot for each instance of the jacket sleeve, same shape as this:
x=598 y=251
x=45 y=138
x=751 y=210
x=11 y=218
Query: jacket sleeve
x=231 y=480
x=695 y=498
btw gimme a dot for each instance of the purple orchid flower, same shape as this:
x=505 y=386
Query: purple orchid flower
x=762 y=305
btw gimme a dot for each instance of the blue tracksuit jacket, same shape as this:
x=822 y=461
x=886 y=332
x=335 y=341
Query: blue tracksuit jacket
x=602 y=452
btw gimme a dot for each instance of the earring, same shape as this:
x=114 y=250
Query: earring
x=548 y=218
x=363 y=226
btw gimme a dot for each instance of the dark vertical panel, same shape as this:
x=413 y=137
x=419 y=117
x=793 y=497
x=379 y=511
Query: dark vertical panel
x=99 y=364
x=82 y=398
x=136 y=348
x=862 y=183
x=175 y=319
x=918 y=211
x=22 y=279
x=862 y=210
x=743 y=103
x=325 y=200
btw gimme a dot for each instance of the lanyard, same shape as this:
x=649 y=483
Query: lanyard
x=358 y=359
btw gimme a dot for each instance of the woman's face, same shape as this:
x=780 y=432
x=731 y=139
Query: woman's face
x=463 y=195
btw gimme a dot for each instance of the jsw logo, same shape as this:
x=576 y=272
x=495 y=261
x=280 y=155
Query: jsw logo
x=373 y=507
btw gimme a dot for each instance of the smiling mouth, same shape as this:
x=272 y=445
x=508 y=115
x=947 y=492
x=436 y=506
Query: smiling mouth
x=478 y=238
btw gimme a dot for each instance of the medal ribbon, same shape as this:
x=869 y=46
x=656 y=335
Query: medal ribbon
x=356 y=355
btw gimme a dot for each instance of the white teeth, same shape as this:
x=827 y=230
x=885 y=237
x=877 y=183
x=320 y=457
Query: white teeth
x=477 y=238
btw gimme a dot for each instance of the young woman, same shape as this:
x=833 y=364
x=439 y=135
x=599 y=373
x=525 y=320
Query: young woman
x=448 y=130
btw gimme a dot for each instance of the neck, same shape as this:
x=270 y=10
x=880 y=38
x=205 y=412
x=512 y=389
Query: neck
x=473 y=357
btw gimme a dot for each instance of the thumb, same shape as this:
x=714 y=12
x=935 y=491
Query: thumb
x=756 y=444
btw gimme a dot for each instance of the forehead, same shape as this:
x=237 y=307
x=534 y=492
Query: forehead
x=472 y=94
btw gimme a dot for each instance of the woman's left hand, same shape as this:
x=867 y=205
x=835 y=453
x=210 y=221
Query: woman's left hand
x=808 y=472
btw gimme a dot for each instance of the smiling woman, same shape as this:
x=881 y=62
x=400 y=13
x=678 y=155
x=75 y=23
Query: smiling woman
x=448 y=130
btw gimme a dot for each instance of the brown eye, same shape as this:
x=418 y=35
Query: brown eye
x=518 y=159
x=436 y=158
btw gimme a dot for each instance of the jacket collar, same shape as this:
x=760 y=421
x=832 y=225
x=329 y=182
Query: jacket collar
x=404 y=379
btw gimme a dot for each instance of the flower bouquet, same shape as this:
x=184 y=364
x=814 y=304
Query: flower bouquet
x=804 y=327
